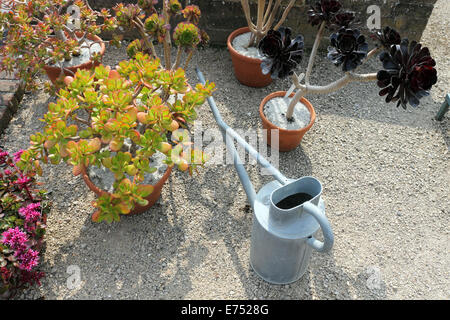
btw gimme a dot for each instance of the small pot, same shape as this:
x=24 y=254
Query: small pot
x=53 y=72
x=151 y=198
x=288 y=139
x=247 y=70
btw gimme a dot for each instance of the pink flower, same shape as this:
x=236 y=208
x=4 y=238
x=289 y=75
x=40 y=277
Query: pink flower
x=17 y=155
x=16 y=239
x=29 y=260
x=8 y=172
x=3 y=156
x=29 y=212
x=31 y=216
x=34 y=206
x=22 y=182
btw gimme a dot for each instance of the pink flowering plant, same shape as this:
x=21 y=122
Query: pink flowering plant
x=23 y=210
x=154 y=26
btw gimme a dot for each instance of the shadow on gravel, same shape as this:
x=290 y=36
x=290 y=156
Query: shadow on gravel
x=444 y=127
x=130 y=259
x=35 y=110
x=234 y=231
x=325 y=274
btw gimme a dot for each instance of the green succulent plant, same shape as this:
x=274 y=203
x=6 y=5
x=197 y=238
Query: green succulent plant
x=39 y=35
x=156 y=26
x=99 y=110
x=186 y=35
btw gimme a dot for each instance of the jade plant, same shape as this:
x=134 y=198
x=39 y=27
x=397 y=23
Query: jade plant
x=45 y=32
x=408 y=69
x=23 y=210
x=265 y=19
x=154 y=26
x=117 y=119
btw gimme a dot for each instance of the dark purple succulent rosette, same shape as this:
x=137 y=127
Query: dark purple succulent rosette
x=387 y=37
x=323 y=10
x=409 y=73
x=342 y=19
x=281 y=53
x=348 y=48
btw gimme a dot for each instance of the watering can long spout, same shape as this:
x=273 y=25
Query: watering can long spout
x=229 y=135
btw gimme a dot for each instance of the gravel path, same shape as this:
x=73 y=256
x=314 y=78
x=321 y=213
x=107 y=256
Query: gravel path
x=385 y=173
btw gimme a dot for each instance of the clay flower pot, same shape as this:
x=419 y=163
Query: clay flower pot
x=247 y=70
x=288 y=139
x=53 y=72
x=152 y=198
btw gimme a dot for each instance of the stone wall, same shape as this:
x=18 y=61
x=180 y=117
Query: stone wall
x=221 y=17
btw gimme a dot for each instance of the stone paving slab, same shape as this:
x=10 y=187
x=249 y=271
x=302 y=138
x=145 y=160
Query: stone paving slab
x=11 y=93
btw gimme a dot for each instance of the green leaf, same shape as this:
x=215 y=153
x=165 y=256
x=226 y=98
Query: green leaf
x=145 y=190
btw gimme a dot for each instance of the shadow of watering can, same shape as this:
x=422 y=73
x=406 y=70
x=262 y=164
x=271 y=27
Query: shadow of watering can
x=287 y=215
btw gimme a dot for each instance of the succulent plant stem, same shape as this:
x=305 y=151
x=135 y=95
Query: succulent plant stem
x=265 y=18
x=306 y=88
x=266 y=15
x=167 y=41
x=372 y=53
x=189 y=57
x=140 y=26
x=314 y=52
x=178 y=59
x=284 y=16
x=332 y=87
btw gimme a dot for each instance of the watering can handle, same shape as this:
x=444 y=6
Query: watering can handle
x=328 y=236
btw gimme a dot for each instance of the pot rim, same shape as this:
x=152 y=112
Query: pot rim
x=281 y=94
x=91 y=37
x=233 y=51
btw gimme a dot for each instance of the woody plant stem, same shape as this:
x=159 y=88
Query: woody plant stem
x=306 y=88
x=265 y=18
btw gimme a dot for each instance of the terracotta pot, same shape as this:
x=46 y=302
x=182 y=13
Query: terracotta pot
x=247 y=70
x=152 y=198
x=53 y=72
x=289 y=139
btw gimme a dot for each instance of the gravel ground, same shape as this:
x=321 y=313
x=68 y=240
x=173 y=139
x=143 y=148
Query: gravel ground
x=385 y=189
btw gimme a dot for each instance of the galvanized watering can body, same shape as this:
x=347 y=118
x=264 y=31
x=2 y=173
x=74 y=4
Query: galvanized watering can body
x=282 y=239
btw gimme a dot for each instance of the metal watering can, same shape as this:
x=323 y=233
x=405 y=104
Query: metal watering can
x=283 y=225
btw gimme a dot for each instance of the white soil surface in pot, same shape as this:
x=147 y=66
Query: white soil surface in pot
x=275 y=111
x=240 y=43
x=103 y=178
x=87 y=49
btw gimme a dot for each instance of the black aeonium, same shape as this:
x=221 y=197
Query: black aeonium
x=281 y=53
x=408 y=73
x=387 y=37
x=348 y=47
x=323 y=10
x=343 y=19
